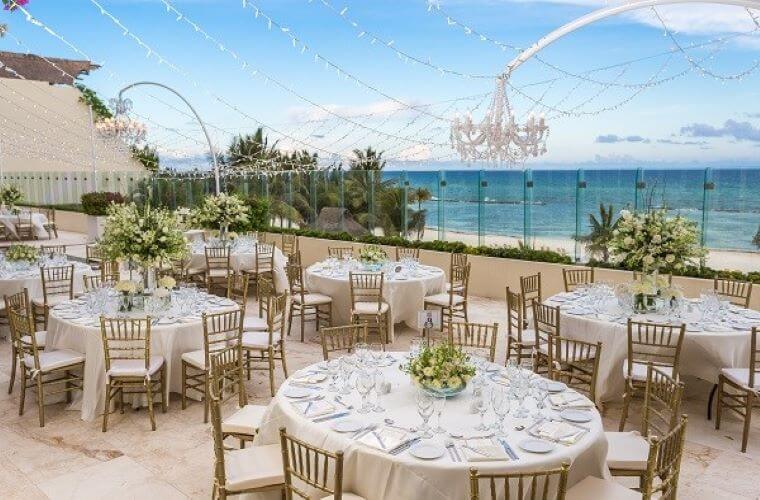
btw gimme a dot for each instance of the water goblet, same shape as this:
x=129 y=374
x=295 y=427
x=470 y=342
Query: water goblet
x=376 y=352
x=500 y=405
x=439 y=405
x=540 y=393
x=480 y=404
x=364 y=384
x=333 y=369
x=425 y=407
x=360 y=350
x=346 y=369
x=379 y=387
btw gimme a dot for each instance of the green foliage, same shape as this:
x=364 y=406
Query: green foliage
x=258 y=213
x=368 y=159
x=147 y=156
x=598 y=239
x=98 y=203
x=703 y=272
x=756 y=238
x=91 y=99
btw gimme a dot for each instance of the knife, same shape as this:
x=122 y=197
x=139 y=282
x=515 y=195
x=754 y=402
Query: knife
x=508 y=449
x=404 y=446
x=330 y=417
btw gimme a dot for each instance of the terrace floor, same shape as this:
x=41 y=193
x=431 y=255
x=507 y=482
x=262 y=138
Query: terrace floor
x=70 y=458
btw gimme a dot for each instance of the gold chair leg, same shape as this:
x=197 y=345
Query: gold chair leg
x=302 y=312
x=719 y=403
x=14 y=362
x=23 y=392
x=290 y=321
x=747 y=419
x=627 y=396
x=271 y=370
x=106 y=407
x=284 y=364
x=184 y=385
x=40 y=400
x=164 y=387
x=149 y=395
x=206 y=402
x=67 y=374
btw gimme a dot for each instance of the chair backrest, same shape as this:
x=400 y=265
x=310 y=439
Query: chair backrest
x=737 y=292
x=237 y=289
x=367 y=287
x=662 y=403
x=545 y=321
x=289 y=243
x=575 y=362
x=538 y=485
x=574 y=278
x=530 y=289
x=277 y=316
x=125 y=339
x=659 y=343
x=515 y=317
x=265 y=290
x=95 y=281
x=638 y=275
x=754 y=356
x=24 y=227
x=664 y=464
x=311 y=467
x=217 y=258
x=53 y=249
x=295 y=280
x=342 y=338
x=295 y=258
x=57 y=281
x=476 y=337
x=264 y=257
x=460 y=282
x=19 y=301
x=340 y=252
x=221 y=330
x=22 y=331
x=92 y=253
x=109 y=269
x=458 y=259
x=227 y=374
x=407 y=253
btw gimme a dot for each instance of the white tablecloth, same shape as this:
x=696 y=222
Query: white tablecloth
x=169 y=341
x=703 y=353
x=247 y=261
x=404 y=296
x=33 y=282
x=38 y=221
x=377 y=475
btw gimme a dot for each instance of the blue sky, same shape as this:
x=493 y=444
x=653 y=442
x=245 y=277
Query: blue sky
x=689 y=119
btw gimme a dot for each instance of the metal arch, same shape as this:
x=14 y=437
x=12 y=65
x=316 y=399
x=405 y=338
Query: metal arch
x=602 y=14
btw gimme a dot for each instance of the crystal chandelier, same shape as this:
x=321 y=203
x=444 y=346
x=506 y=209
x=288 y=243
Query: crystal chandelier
x=499 y=138
x=121 y=126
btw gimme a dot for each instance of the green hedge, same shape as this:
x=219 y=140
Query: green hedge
x=703 y=272
x=97 y=203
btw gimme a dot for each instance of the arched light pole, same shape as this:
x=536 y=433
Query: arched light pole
x=197 y=117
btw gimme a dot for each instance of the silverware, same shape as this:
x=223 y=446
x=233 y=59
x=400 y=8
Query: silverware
x=330 y=417
x=474 y=450
x=404 y=446
x=379 y=439
x=364 y=431
x=453 y=451
x=508 y=449
x=343 y=403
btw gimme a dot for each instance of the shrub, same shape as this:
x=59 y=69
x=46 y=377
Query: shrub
x=258 y=213
x=97 y=203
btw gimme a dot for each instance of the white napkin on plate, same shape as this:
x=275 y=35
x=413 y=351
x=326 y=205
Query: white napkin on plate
x=559 y=431
x=384 y=438
x=483 y=450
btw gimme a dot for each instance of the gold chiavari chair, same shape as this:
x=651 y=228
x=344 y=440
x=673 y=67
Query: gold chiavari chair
x=237 y=290
x=744 y=385
x=19 y=301
x=638 y=276
x=407 y=253
x=264 y=348
x=57 y=287
x=220 y=330
x=227 y=378
x=476 y=338
x=53 y=249
x=575 y=278
x=342 y=338
x=96 y=281
x=520 y=339
x=43 y=368
x=130 y=366
x=92 y=254
x=25 y=227
x=546 y=323
x=737 y=292
x=658 y=343
x=263 y=265
x=266 y=289
x=340 y=252
x=457 y=259
x=289 y=244
x=453 y=304
x=367 y=303
x=257 y=469
x=306 y=305
x=531 y=291
x=50 y=226
x=177 y=269
x=110 y=270
x=575 y=362
x=628 y=452
x=306 y=466
x=218 y=268
x=534 y=485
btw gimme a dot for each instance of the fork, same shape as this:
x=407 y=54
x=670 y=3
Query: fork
x=452 y=451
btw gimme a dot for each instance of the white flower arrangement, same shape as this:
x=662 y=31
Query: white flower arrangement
x=126 y=287
x=22 y=253
x=219 y=211
x=167 y=282
x=372 y=254
x=162 y=292
x=10 y=195
x=148 y=236
x=652 y=241
x=441 y=367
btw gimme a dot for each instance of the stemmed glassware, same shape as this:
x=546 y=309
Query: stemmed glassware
x=480 y=404
x=500 y=405
x=378 y=388
x=415 y=346
x=425 y=406
x=365 y=382
x=540 y=392
x=439 y=405
x=346 y=369
x=333 y=369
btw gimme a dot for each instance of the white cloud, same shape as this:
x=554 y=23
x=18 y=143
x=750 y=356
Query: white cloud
x=382 y=108
x=417 y=152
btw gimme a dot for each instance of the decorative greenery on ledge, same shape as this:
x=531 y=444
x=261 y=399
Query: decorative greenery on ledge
x=694 y=272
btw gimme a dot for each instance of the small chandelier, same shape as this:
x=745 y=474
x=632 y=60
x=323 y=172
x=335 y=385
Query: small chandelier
x=499 y=138
x=121 y=126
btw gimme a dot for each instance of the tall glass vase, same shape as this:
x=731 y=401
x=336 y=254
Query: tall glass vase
x=223 y=231
x=149 y=278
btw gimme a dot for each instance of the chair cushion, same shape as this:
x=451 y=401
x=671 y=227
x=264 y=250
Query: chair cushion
x=254 y=324
x=369 y=308
x=41 y=337
x=246 y=420
x=254 y=467
x=627 y=450
x=639 y=372
x=135 y=367
x=259 y=340
x=442 y=299
x=740 y=376
x=195 y=270
x=345 y=496
x=55 y=299
x=528 y=337
x=601 y=489
x=195 y=358
x=53 y=360
x=312 y=299
x=217 y=273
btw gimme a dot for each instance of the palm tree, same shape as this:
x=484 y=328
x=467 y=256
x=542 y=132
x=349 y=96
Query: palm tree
x=252 y=153
x=368 y=160
x=597 y=241
x=419 y=218
x=756 y=238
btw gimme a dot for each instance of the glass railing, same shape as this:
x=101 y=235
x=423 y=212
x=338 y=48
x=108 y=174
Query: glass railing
x=540 y=208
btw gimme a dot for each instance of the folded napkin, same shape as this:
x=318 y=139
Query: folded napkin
x=483 y=450
x=312 y=409
x=309 y=378
x=569 y=400
x=384 y=438
x=559 y=431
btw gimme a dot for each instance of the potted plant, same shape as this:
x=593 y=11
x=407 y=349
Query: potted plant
x=96 y=205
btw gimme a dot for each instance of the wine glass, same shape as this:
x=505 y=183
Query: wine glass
x=425 y=407
x=540 y=392
x=365 y=382
x=361 y=349
x=346 y=369
x=439 y=405
x=500 y=405
x=378 y=388
x=415 y=346
x=480 y=404
x=333 y=369
x=376 y=352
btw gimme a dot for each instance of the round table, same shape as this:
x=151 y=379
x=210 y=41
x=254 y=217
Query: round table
x=705 y=350
x=404 y=292
x=38 y=221
x=375 y=474
x=244 y=259
x=169 y=338
x=15 y=282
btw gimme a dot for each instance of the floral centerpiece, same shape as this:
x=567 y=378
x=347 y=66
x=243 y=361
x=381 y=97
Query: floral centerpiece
x=22 y=253
x=649 y=288
x=221 y=212
x=372 y=256
x=651 y=241
x=443 y=370
x=127 y=289
x=10 y=196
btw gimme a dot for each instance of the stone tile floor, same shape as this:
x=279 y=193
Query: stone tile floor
x=69 y=458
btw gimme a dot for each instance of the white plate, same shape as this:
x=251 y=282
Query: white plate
x=427 y=451
x=576 y=416
x=347 y=425
x=555 y=387
x=297 y=392
x=536 y=446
